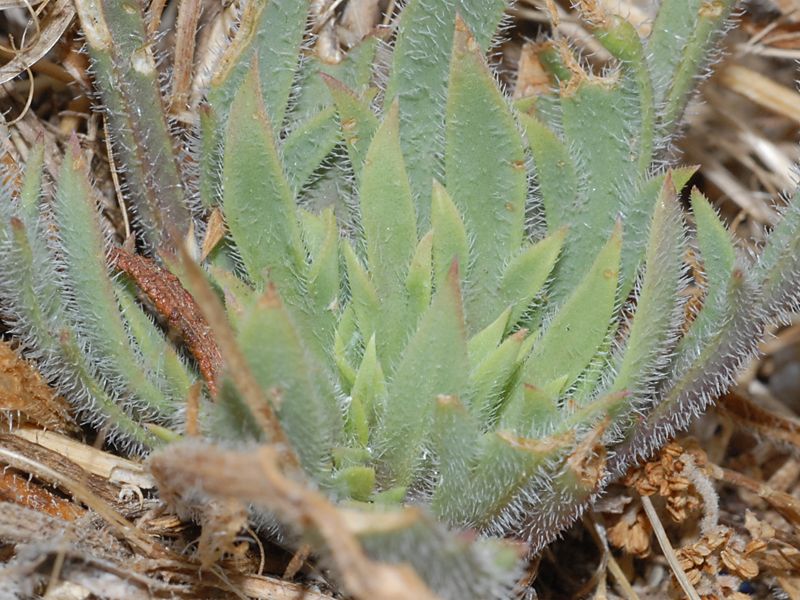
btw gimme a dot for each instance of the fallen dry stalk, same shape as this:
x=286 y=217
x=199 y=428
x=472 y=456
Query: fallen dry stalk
x=666 y=548
x=599 y=536
x=787 y=505
x=256 y=476
x=752 y=417
x=763 y=91
x=114 y=468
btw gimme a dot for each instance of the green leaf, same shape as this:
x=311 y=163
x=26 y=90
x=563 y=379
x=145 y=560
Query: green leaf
x=159 y=358
x=680 y=44
x=489 y=189
x=342 y=348
x=533 y=411
x=387 y=211
x=308 y=145
x=353 y=73
x=433 y=363
x=92 y=303
x=390 y=233
x=698 y=375
x=455 y=442
x=527 y=273
x=367 y=396
x=419 y=80
x=31 y=193
x=209 y=157
x=659 y=308
x=357 y=121
x=449 y=235
x=238 y=295
x=36 y=304
x=719 y=258
x=716 y=247
x=672 y=30
x=295 y=383
x=364 y=296
x=638 y=215
x=601 y=125
x=623 y=41
x=129 y=81
x=258 y=202
x=270 y=37
x=323 y=275
x=505 y=464
x=356 y=482
x=420 y=278
x=485 y=341
x=488 y=380
x=581 y=325
x=555 y=172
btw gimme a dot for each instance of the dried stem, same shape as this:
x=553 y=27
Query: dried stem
x=252 y=394
x=666 y=548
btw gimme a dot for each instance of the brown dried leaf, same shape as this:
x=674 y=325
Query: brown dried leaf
x=588 y=461
x=532 y=79
x=25 y=397
x=177 y=306
x=215 y=233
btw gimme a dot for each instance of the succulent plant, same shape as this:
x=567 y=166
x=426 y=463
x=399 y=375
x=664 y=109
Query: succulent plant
x=447 y=299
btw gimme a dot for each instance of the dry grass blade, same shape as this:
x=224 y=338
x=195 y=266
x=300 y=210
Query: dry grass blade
x=269 y=588
x=608 y=561
x=25 y=397
x=115 y=469
x=762 y=90
x=6 y=4
x=53 y=26
x=256 y=476
x=21 y=525
x=666 y=548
